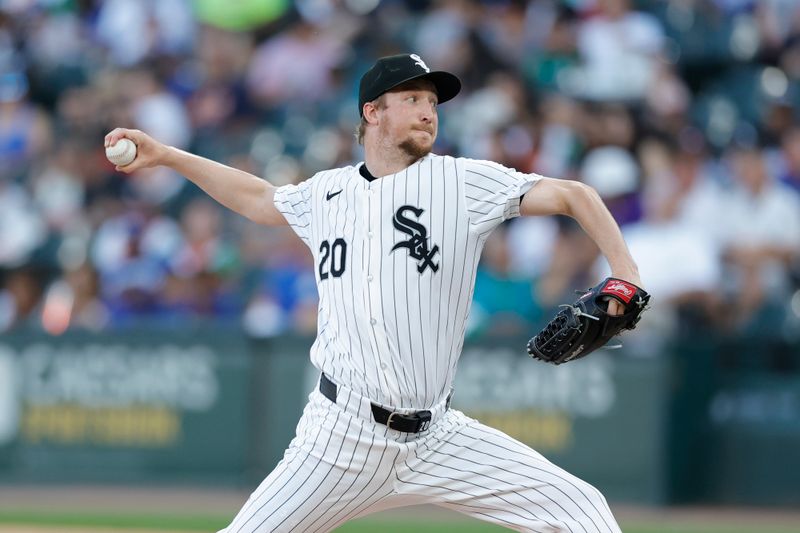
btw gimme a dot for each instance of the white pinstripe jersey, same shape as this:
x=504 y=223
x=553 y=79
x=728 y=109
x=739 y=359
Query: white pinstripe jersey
x=395 y=265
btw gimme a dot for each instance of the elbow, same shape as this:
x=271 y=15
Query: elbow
x=579 y=197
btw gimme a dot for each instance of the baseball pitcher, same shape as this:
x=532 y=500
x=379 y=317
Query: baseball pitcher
x=396 y=241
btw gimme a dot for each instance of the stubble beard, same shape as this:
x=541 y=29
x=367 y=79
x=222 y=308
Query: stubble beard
x=415 y=149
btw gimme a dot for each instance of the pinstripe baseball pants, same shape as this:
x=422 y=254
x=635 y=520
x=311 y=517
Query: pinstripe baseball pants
x=342 y=465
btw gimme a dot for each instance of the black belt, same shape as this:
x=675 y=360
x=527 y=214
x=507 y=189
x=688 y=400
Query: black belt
x=407 y=423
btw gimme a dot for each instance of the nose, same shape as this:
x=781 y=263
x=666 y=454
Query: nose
x=428 y=111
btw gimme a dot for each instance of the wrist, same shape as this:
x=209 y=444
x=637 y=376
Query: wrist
x=628 y=274
x=170 y=156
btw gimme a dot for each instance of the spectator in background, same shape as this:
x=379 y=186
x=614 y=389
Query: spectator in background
x=132 y=253
x=72 y=301
x=549 y=61
x=761 y=236
x=88 y=310
x=619 y=49
x=20 y=298
x=22 y=230
x=24 y=128
x=294 y=66
x=680 y=186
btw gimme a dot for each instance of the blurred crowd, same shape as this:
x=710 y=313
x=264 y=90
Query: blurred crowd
x=683 y=115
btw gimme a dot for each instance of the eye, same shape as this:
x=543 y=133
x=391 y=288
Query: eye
x=412 y=99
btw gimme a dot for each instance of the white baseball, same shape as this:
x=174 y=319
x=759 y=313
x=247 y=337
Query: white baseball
x=122 y=153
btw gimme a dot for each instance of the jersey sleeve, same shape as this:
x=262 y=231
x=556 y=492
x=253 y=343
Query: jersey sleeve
x=294 y=203
x=493 y=192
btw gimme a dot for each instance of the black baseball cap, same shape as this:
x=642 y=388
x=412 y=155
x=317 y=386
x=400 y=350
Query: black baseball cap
x=390 y=71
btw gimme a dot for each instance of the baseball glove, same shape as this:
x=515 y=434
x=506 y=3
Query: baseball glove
x=580 y=328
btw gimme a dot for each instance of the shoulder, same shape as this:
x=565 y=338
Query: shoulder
x=335 y=173
x=323 y=176
x=487 y=167
x=483 y=170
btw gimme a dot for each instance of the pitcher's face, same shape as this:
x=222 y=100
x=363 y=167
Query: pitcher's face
x=409 y=119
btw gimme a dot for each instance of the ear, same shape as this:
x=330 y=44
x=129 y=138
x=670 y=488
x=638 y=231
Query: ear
x=370 y=113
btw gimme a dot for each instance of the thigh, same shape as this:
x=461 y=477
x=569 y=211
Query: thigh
x=334 y=469
x=474 y=469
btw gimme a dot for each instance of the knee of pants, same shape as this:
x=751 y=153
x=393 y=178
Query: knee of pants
x=599 y=516
x=584 y=508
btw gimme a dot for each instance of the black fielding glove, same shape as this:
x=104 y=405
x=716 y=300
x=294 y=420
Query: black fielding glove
x=584 y=326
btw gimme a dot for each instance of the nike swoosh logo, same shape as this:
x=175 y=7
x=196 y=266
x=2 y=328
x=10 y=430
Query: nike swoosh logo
x=332 y=194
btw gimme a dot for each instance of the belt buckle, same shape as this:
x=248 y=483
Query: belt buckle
x=389 y=420
x=423 y=417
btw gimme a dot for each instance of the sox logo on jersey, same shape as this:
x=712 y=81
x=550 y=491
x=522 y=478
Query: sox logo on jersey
x=396 y=259
x=417 y=244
